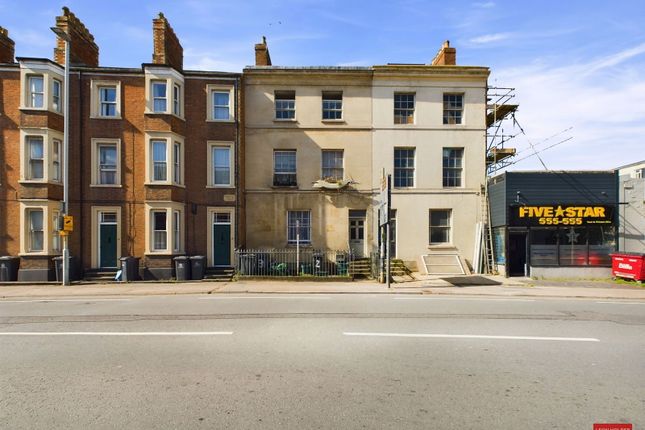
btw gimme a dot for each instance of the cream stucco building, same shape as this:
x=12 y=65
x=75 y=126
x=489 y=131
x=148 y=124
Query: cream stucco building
x=317 y=140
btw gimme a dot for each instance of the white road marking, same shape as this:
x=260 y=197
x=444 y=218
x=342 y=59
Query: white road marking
x=117 y=333
x=266 y=297
x=65 y=300
x=623 y=303
x=473 y=336
x=464 y=298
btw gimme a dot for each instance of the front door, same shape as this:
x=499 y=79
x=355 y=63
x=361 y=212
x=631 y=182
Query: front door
x=517 y=254
x=221 y=239
x=357 y=232
x=107 y=239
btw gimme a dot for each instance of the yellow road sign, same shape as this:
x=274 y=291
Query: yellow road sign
x=68 y=223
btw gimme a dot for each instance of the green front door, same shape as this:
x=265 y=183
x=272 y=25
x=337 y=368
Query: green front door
x=222 y=244
x=107 y=250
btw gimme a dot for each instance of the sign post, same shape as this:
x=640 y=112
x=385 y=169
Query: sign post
x=385 y=199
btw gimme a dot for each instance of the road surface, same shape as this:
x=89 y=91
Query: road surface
x=321 y=361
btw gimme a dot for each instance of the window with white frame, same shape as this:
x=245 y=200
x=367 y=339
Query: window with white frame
x=35 y=220
x=107 y=101
x=159 y=230
x=284 y=168
x=36 y=91
x=176 y=99
x=221 y=165
x=221 y=105
x=452 y=166
x=440 y=220
x=176 y=230
x=332 y=164
x=299 y=227
x=176 y=169
x=56 y=95
x=159 y=97
x=453 y=108
x=107 y=160
x=404 y=167
x=56 y=241
x=36 y=154
x=165 y=154
x=56 y=160
x=285 y=105
x=332 y=105
x=404 y=108
x=159 y=160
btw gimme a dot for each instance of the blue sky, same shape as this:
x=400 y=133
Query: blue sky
x=576 y=64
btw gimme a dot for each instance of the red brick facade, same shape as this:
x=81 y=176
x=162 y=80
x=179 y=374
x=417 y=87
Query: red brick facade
x=133 y=194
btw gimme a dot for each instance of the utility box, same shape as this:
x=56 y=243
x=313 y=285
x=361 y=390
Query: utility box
x=628 y=265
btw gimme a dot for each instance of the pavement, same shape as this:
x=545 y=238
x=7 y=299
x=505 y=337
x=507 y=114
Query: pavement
x=465 y=286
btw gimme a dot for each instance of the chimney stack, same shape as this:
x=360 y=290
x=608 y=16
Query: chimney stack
x=262 y=57
x=167 y=49
x=7 y=47
x=446 y=56
x=83 y=50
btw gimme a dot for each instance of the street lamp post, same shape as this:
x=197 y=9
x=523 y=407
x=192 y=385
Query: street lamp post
x=65 y=37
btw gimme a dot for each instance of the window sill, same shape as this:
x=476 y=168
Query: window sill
x=278 y=187
x=221 y=187
x=105 y=117
x=165 y=253
x=164 y=184
x=442 y=246
x=43 y=109
x=285 y=120
x=106 y=186
x=334 y=121
x=222 y=121
x=38 y=182
x=149 y=112
x=37 y=254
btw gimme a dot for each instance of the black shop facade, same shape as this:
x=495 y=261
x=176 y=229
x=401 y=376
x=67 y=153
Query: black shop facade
x=555 y=224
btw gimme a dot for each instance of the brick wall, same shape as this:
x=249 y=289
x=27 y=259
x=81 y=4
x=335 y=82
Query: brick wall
x=83 y=50
x=167 y=49
x=446 y=56
x=10 y=161
x=7 y=47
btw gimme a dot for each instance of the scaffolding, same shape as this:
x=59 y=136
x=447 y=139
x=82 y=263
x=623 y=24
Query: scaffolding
x=500 y=109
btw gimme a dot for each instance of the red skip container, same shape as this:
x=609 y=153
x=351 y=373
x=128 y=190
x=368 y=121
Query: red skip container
x=628 y=265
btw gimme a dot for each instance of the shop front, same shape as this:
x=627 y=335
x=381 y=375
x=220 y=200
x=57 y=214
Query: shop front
x=538 y=233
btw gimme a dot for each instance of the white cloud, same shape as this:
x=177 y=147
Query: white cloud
x=489 y=38
x=484 y=5
x=603 y=102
